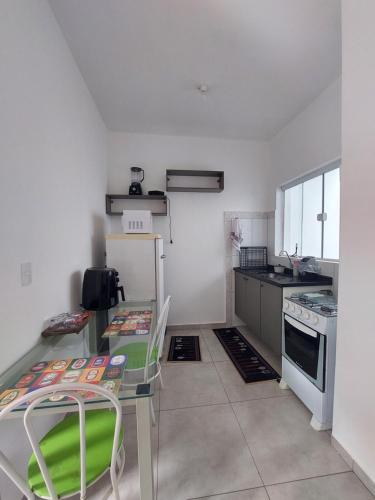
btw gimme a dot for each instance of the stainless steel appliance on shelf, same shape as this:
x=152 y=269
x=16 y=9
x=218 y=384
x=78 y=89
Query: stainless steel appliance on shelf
x=309 y=352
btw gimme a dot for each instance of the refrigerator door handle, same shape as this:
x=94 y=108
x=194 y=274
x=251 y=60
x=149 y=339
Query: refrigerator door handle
x=121 y=290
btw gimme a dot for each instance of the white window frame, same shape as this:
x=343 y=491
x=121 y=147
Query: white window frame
x=280 y=204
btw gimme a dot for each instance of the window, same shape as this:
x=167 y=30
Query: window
x=312 y=214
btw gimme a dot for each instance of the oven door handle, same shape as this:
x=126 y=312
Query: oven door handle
x=300 y=326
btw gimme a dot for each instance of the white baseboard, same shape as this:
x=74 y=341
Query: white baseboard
x=367 y=481
x=341 y=450
x=358 y=471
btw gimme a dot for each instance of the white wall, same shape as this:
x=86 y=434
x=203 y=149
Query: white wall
x=310 y=140
x=254 y=170
x=52 y=185
x=196 y=261
x=354 y=412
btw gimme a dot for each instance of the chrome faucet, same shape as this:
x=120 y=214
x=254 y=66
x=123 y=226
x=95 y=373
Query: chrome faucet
x=284 y=252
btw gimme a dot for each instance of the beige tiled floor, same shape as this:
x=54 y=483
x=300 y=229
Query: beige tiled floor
x=217 y=438
x=202 y=452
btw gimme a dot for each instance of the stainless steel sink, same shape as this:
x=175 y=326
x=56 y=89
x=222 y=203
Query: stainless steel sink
x=269 y=275
x=275 y=276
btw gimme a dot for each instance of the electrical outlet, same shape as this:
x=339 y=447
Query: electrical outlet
x=26 y=274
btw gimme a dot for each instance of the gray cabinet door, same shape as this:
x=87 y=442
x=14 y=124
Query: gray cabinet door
x=240 y=295
x=252 y=306
x=271 y=298
x=247 y=301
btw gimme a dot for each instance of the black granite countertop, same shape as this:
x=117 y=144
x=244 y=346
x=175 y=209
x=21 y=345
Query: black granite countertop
x=286 y=279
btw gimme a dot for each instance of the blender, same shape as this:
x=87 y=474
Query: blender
x=137 y=176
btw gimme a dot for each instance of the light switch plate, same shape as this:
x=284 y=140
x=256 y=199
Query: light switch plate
x=26 y=274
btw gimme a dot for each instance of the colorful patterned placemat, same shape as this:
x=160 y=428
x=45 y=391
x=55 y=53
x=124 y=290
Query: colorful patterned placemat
x=127 y=322
x=106 y=371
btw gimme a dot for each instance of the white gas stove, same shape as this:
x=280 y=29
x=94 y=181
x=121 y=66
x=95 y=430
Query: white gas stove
x=309 y=352
x=315 y=309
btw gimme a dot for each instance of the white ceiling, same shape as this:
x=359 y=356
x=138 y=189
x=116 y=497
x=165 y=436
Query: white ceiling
x=263 y=60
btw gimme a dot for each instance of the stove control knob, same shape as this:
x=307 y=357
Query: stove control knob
x=298 y=311
x=292 y=307
x=286 y=304
x=315 y=319
x=306 y=315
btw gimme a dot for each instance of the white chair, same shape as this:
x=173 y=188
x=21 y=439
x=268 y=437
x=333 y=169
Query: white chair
x=145 y=356
x=76 y=452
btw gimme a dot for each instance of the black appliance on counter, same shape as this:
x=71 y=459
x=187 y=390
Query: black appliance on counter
x=100 y=292
x=100 y=289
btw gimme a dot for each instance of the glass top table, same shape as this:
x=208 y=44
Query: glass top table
x=84 y=345
x=137 y=393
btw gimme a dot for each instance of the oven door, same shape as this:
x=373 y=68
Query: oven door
x=306 y=350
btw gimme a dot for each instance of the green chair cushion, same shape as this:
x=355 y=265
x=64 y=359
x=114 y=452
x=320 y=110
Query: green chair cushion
x=61 y=451
x=136 y=352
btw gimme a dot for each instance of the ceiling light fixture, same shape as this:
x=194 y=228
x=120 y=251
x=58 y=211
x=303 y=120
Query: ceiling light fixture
x=202 y=88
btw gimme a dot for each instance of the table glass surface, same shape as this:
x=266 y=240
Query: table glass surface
x=83 y=345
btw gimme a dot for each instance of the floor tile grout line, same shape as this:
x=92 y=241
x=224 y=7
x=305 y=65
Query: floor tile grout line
x=261 y=398
x=224 y=403
x=221 y=381
x=241 y=430
x=228 y=493
x=312 y=477
x=247 y=444
x=197 y=406
x=268 y=495
x=242 y=433
x=206 y=345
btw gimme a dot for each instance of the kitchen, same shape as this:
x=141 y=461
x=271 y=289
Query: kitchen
x=133 y=85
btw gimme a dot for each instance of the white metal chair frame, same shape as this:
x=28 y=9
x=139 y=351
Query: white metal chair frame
x=70 y=390
x=157 y=339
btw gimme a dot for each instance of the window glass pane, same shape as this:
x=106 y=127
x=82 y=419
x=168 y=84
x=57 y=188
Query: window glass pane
x=293 y=218
x=332 y=209
x=312 y=206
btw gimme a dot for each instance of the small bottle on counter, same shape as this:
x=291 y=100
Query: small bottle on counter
x=296 y=263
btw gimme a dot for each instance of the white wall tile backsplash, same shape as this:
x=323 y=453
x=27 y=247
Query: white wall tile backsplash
x=271 y=235
x=255 y=231
x=246 y=232
x=259 y=232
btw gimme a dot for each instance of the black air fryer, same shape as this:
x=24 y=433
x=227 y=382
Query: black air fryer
x=100 y=289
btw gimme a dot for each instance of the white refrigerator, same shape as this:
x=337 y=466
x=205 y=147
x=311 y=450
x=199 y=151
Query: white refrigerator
x=139 y=259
